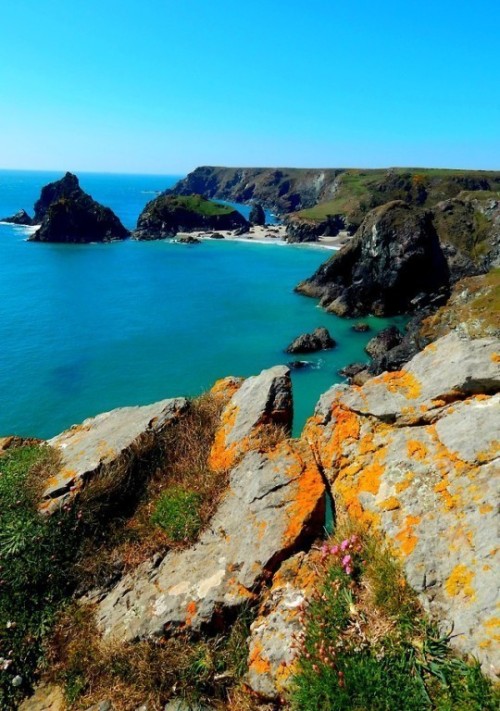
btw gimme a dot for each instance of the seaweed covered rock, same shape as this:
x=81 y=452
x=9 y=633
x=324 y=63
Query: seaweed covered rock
x=415 y=454
x=394 y=264
x=167 y=215
x=66 y=213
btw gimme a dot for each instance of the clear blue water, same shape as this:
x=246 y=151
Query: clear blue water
x=86 y=328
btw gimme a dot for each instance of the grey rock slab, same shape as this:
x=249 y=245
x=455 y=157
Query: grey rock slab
x=261 y=399
x=273 y=501
x=100 y=443
x=472 y=429
x=450 y=367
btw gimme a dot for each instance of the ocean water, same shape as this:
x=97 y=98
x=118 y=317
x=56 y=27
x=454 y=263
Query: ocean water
x=86 y=328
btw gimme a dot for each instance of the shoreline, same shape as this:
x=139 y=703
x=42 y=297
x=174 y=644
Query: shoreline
x=272 y=234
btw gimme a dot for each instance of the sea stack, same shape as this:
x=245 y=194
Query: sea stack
x=67 y=214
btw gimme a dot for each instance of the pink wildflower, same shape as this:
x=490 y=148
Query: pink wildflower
x=334 y=550
x=346 y=560
x=344 y=545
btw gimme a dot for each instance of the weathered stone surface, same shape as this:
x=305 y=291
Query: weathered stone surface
x=448 y=369
x=45 y=698
x=417 y=455
x=273 y=645
x=262 y=401
x=318 y=340
x=106 y=443
x=274 y=501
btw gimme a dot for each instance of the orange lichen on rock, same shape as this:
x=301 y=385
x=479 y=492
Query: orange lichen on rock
x=222 y=454
x=495 y=357
x=401 y=381
x=403 y=485
x=190 y=612
x=390 y=504
x=309 y=493
x=406 y=537
x=416 y=449
x=485 y=508
x=224 y=389
x=256 y=662
x=460 y=581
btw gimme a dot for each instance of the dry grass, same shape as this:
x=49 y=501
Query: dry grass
x=181 y=462
x=149 y=671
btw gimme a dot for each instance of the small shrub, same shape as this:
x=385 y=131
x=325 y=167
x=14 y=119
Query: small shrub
x=177 y=513
x=366 y=643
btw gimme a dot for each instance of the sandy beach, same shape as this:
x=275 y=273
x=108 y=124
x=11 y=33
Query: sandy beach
x=266 y=234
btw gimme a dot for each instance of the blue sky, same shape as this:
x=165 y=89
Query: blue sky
x=160 y=86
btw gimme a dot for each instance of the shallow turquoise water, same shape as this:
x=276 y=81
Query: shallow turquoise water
x=87 y=328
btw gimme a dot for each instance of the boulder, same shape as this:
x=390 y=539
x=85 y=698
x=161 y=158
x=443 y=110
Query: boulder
x=20 y=218
x=261 y=404
x=107 y=445
x=394 y=264
x=189 y=239
x=361 y=327
x=167 y=215
x=385 y=340
x=274 y=504
x=415 y=454
x=349 y=371
x=318 y=340
x=66 y=213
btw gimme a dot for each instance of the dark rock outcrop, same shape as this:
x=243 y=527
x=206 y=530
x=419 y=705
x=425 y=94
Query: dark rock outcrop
x=257 y=215
x=68 y=214
x=167 y=215
x=20 y=218
x=360 y=328
x=384 y=341
x=318 y=340
x=393 y=265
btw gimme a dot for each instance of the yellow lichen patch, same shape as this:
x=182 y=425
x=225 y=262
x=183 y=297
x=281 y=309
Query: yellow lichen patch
x=403 y=485
x=401 y=381
x=416 y=449
x=406 y=538
x=460 y=582
x=390 y=504
x=485 y=508
x=495 y=357
x=493 y=628
x=351 y=482
x=256 y=662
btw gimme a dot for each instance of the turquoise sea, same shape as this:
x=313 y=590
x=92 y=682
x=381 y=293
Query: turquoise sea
x=86 y=328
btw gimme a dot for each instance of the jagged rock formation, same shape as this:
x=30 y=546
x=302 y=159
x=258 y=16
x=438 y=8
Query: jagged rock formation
x=318 y=340
x=275 y=502
x=394 y=264
x=167 y=215
x=415 y=454
x=110 y=442
x=66 y=213
x=384 y=341
x=257 y=215
x=20 y=218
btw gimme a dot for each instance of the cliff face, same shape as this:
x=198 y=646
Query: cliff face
x=67 y=214
x=167 y=215
x=281 y=190
x=392 y=265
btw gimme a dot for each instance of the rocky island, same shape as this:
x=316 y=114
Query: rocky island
x=67 y=214
x=167 y=215
x=20 y=218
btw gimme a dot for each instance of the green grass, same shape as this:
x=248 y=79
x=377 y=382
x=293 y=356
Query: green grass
x=196 y=203
x=35 y=556
x=177 y=512
x=368 y=645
